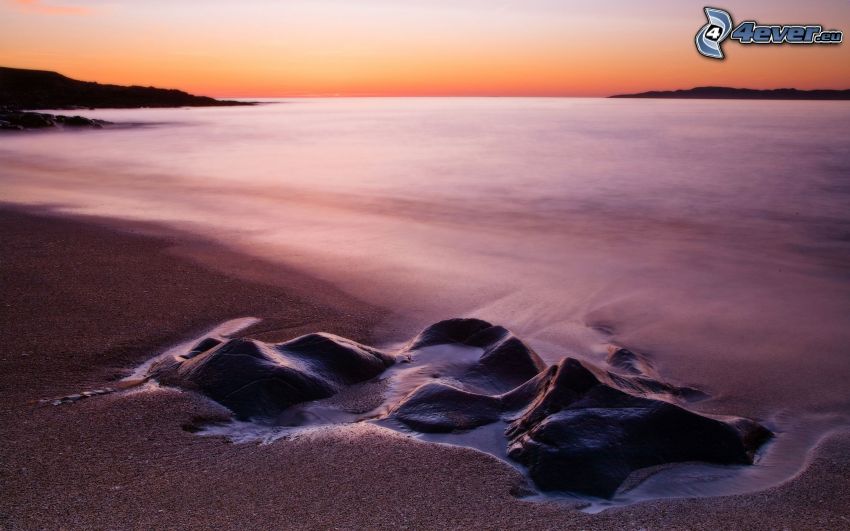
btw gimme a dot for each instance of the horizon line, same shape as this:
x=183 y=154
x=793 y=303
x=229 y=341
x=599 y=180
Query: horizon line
x=302 y=95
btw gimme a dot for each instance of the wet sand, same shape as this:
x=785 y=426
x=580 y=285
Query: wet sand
x=85 y=303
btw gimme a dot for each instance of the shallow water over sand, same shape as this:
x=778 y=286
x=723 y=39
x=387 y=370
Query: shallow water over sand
x=708 y=234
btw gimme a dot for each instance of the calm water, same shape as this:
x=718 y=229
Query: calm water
x=709 y=234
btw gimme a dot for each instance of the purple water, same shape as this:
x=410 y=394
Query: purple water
x=712 y=235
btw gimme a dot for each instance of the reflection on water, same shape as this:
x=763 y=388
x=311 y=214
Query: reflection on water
x=700 y=232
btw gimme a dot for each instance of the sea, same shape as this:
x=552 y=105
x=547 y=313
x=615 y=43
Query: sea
x=711 y=235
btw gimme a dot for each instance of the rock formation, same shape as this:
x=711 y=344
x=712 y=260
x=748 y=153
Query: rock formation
x=576 y=426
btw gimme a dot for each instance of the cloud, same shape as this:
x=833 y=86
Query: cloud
x=37 y=6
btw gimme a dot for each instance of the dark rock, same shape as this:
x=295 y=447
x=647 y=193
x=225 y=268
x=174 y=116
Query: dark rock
x=505 y=363
x=753 y=435
x=254 y=379
x=565 y=384
x=457 y=331
x=9 y=126
x=79 y=121
x=625 y=360
x=502 y=380
x=522 y=396
x=635 y=372
x=585 y=435
x=644 y=385
x=29 y=120
x=203 y=346
x=438 y=408
x=509 y=363
x=14 y=120
x=577 y=427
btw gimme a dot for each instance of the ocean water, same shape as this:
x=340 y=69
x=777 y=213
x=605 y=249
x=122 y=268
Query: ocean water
x=712 y=235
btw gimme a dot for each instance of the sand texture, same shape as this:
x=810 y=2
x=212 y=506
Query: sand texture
x=83 y=304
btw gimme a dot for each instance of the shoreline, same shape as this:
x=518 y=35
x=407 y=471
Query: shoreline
x=91 y=298
x=352 y=317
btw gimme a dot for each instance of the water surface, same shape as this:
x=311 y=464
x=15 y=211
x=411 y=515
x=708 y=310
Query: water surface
x=709 y=234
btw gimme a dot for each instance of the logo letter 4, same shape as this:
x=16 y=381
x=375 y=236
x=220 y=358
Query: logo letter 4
x=716 y=30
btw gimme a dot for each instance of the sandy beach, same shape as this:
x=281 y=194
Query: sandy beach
x=424 y=265
x=86 y=302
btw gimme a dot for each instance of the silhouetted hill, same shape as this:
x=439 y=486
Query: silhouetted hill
x=726 y=93
x=41 y=89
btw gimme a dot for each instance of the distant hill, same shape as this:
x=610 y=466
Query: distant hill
x=41 y=89
x=725 y=93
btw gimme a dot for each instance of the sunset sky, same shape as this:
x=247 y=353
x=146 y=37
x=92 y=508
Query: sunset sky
x=413 y=47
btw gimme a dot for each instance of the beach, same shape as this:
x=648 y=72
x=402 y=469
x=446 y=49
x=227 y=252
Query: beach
x=581 y=226
x=424 y=265
x=89 y=299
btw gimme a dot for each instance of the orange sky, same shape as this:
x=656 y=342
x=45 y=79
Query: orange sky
x=412 y=47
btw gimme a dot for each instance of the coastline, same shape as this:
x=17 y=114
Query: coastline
x=89 y=302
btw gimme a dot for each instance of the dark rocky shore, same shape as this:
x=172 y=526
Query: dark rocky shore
x=20 y=120
x=576 y=427
x=727 y=93
x=40 y=89
x=23 y=90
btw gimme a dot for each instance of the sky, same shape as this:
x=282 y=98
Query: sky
x=261 y=48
